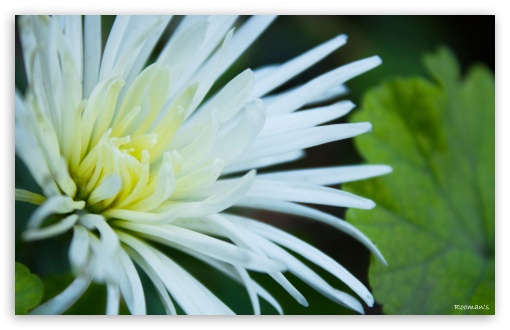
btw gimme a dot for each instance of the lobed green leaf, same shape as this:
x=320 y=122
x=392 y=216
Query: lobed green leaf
x=434 y=221
x=28 y=289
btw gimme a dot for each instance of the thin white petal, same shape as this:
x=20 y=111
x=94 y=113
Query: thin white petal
x=244 y=278
x=189 y=240
x=245 y=36
x=218 y=28
x=126 y=39
x=108 y=188
x=112 y=45
x=214 y=200
x=143 y=254
x=74 y=37
x=207 y=301
x=158 y=284
x=209 y=72
x=108 y=237
x=31 y=155
x=198 y=139
x=264 y=71
x=149 y=91
x=57 y=204
x=61 y=302
x=329 y=95
x=46 y=72
x=226 y=228
x=133 y=290
x=328 y=175
x=307 y=193
x=244 y=129
x=98 y=113
x=36 y=134
x=182 y=49
x=304 y=211
x=229 y=271
x=164 y=184
x=198 y=179
x=285 y=283
x=263 y=162
x=52 y=230
x=309 y=252
x=63 y=178
x=191 y=295
x=315 y=87
x=219 y=226
x=105 y=249
x=292 y=68
x=79 y=248
x=248 y=284
x=219 y=25
x=179 y=55
x=112 y=299
x=185 y=43
x=147 y=48
x=92 y=53
x=307 y=275
x=185 y=22
x=74 y=105
x=305 y=118
x=301 y=139
x=231 y=98
x=28 y=44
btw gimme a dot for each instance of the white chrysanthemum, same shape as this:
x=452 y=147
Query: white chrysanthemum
x=127 y=156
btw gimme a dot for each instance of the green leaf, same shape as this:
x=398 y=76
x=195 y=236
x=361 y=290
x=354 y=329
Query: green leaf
x=434 y=220
x=29 y=289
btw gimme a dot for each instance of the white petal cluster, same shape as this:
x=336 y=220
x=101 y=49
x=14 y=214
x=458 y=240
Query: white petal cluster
x=128 y=154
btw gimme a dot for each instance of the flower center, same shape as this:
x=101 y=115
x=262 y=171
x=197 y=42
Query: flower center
x=119 y=156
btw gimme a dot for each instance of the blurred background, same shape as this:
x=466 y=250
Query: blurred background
x=401 y=42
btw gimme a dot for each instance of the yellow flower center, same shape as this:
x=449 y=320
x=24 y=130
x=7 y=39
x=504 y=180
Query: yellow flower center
x=124 y=159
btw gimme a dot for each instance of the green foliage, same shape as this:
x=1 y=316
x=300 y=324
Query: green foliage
x=434 y=220
x=28 y=289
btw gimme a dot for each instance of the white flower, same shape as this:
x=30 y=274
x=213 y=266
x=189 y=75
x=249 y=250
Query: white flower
x=127 y=155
